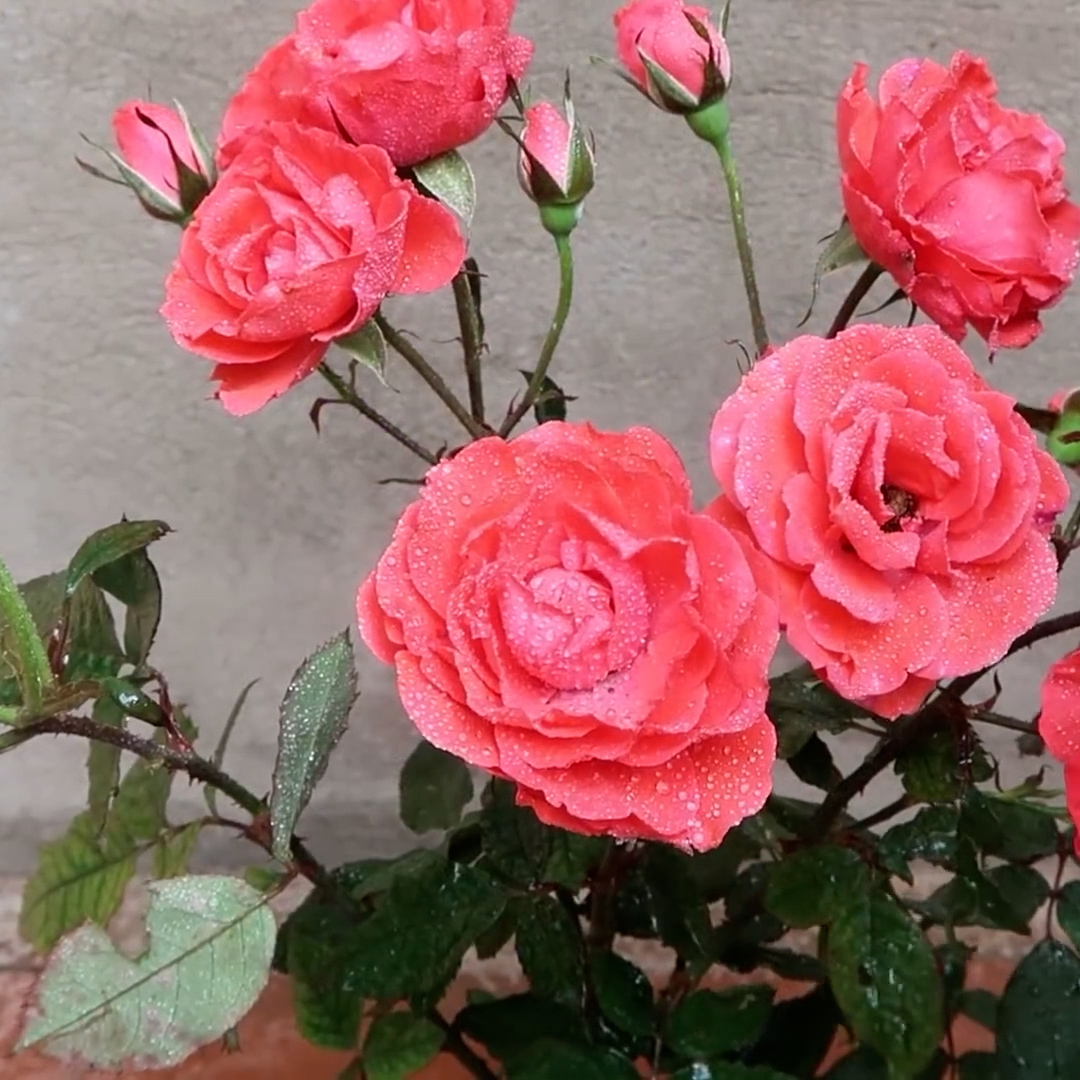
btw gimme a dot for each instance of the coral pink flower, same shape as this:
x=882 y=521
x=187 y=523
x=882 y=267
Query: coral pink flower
x=148 y=136
x=1059 y=725
x=416 y=77
x=905 y=507
x=298 y=244
x=558 y=615
x=961 y=200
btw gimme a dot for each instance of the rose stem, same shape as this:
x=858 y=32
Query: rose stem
x=185 y=761
x=720 y=137
x=349 y=396
x=405 y=348
x=472 y=342
x=855 y=298
x=551 y=342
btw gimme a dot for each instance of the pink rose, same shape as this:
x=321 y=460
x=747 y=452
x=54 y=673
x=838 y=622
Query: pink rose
x=961 y=200
x=905 y=507
x=556 y=166
x=662 y=32
x=1059 y=725
x=155 y=144
x=416 y=77
x=559 y=616
x=298 y=244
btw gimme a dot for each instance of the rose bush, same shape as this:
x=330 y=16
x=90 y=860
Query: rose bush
x=960 y=199
x=558 y=615
x=905 y=507
x=416 y=77
x=297 y=245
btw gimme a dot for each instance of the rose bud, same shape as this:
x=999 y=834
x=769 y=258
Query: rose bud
x=162 y=158
x=557 y=166
x=673 y=54
x=1063 y=439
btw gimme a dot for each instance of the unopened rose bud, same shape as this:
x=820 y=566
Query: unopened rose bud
x=557 y=167
x=1063 y=440
x=673 y=53
x=162 y=158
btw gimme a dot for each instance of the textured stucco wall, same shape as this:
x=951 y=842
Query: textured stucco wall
x=101 y=415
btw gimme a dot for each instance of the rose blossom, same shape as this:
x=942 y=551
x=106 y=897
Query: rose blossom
x=661 y=31
x=556 y=166
x=904 y=504
x=961 y=200
x=416 y=77
x=559 y=616
x=1059 y=725
x=298 y=244
x=151 y=138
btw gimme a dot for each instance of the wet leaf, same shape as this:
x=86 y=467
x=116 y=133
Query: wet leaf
x=809 y=887
x=449 y=178
x=314 y=716
x=623 y=992
x=367 y=346
x=549 y=947
x=434 y=788
x=134 y=581
x=210 y=944
x=709 y=1023
x=109 y=545
x=398 y=1045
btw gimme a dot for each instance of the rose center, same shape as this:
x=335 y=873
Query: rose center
x=901 y=505
x=572 y=625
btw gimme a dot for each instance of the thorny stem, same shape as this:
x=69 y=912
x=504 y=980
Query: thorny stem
x=854 y=298
x=348 y=396
x=602 y=893
x=1025 y=727
x=551 y=342
x=454 y=1044
x=885 y=813
x=414 y=358
x=472 y=342
x=742 y=240
x=185 y=761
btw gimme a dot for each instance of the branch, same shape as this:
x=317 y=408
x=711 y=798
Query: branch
x=460 y=1049
x=185 y=761
x=854 y=298
x=472 y=342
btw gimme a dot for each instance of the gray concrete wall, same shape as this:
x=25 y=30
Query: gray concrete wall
x=101 y=415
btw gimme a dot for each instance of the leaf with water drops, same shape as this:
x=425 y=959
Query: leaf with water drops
x=367 y=346
x=314 y=715
x=211 y=940
x=808 y=887
x=710 y=1023
x=1039 y=1017
x=134 y=581
x=398 y=1045
x=434 y=788
x=886 y=980
x=110 y=544
x=449 y=178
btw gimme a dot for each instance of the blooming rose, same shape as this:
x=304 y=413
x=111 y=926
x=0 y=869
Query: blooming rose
x=903 y=503
x=1059 y=725
x=662 y=32
x=961 y=200
x=558 y=615
x=416 y=77
x=298 y=244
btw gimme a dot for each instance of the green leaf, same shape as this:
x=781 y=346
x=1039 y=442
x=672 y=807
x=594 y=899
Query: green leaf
x=931 y=770
x=210 y=944
x=1068 y=911
x=814 y=765
x=110 y=544
x=1010 y=830
x=93 y=649
x=103 y=763
x=885 y=979
x=21 y=642
x=623 y=992
x=981 y=1006
x=550 y=1059
x=729 y=1070
x=218 y=759
x=675 y=904
x=516 y=843
x=80 y=877
x=799 y=1033
x=398 y=1045
x=573 y=858
x=842 y=250
x=134 y=581
x=327 y=1015
x=173 y=854
x=800 y=704
x=138 y=811
x=434 y=789
x=508 y=1027
x=809 y=887
x=709 y=1023
x=549 y=947
x=1023 y=889
x=367 y=346
x=1038 y=1035
x=715 y=870
x=314 y=715
x=929 y=836
x=449 y=178
x=551 y=401
x=978 y=1065
x=265 y=879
